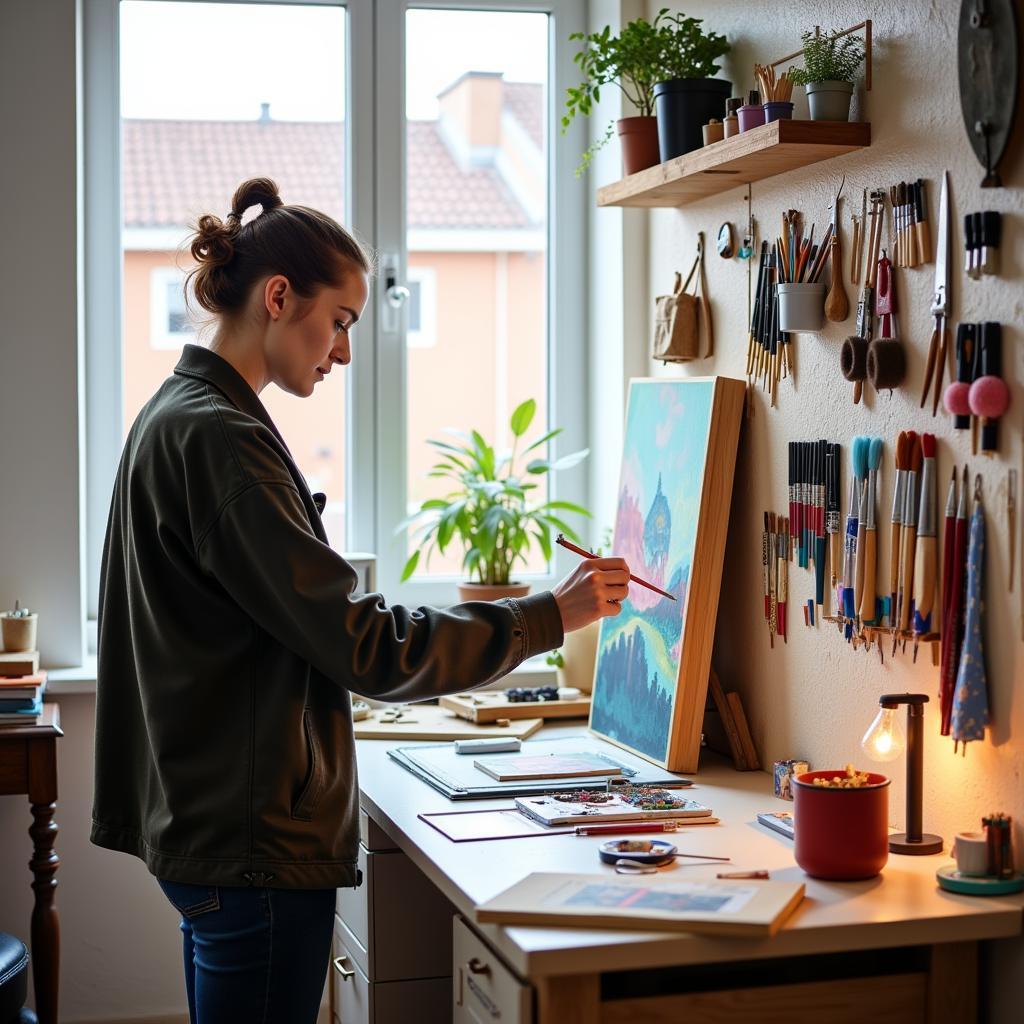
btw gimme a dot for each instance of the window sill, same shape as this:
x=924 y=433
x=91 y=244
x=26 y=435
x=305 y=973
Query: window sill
x=63 y=682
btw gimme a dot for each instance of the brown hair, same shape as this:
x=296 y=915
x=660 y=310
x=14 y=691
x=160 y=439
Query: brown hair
x=308 y=247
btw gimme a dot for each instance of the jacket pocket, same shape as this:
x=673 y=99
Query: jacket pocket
x=304 y=806
x=190 y=900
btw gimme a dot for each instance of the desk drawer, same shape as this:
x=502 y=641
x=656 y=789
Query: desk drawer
x=484 y=990
x=371 y=835
x=360 y=1001
x=400 y=919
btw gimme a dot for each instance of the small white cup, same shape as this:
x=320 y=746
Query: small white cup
x=971 y=852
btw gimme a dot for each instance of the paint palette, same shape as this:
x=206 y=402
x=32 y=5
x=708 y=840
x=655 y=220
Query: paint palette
x=578 y=808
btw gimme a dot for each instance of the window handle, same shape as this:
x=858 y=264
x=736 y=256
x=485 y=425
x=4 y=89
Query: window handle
x=397 y=294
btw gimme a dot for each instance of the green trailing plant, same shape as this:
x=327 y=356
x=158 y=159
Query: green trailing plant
x=489 y=509
x=829 y=58
x=641 y=55
x=555 y=659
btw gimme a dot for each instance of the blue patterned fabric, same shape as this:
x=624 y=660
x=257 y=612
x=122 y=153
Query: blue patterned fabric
x=970 y=698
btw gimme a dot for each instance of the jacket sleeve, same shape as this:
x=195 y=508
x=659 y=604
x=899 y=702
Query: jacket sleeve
x=261 y=549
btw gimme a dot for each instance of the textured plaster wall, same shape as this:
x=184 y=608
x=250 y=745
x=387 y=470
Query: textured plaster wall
x=814 y=696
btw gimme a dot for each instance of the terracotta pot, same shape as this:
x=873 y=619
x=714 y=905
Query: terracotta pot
x=579 y=649
x=487 y=592
x=639 y=139
x=841 y=834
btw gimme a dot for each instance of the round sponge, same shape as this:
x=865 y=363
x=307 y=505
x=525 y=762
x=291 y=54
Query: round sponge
x=989 y=397
x=955 y=398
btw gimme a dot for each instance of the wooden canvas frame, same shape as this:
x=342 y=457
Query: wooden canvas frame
x=700 y=607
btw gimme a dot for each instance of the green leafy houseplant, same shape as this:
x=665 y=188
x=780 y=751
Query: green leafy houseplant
x=643 y=54
x=828 y=58
x=489 y=510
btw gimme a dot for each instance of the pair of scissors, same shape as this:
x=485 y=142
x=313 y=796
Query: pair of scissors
x=939 y=344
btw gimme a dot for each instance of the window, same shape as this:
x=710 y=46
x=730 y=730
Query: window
x=421 y=308
x=169 y=322
x=185 y=152
x=491 y=316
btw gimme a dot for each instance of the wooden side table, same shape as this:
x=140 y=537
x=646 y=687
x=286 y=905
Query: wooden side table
x=28 y=764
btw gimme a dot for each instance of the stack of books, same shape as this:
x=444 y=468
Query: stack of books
x=21 y=688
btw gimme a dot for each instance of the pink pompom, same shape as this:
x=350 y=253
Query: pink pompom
x=989 y=397
x=955 y=398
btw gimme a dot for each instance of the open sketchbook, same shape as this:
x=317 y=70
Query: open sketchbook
x=751 y=909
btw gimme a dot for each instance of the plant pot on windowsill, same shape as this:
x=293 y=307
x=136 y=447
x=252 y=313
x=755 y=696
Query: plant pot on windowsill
x=829 y=101
x=639 y=139
x=491 y=591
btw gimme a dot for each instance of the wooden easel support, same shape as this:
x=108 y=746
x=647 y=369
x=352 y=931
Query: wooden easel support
x=734 y=721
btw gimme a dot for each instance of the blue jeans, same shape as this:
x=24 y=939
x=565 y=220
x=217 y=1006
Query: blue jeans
x=253 y=955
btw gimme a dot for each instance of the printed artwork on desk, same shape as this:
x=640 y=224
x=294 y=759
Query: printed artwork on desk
x=653 y=658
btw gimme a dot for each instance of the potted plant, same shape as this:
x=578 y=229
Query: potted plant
x=686 y=96
x=830 y=63
x=490 y=510
x=629 y=60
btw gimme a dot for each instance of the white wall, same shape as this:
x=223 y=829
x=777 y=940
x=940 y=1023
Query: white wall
x=40 y=350
x=814 y=696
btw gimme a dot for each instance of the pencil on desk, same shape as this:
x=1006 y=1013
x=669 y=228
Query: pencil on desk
x=589 y=554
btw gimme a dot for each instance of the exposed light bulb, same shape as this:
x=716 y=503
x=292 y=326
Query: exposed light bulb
x=886 y=739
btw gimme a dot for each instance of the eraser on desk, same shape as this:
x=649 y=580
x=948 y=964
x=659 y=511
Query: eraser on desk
x=487 y=746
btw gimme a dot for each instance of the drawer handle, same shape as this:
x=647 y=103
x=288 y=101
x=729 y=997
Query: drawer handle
x=344 y=972
x=477 y=966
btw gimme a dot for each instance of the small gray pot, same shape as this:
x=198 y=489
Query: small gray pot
x=829 y=101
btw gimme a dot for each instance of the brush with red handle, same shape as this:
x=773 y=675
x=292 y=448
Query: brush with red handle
x=560 y=539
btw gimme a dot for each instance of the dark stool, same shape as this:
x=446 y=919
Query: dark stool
x=14 y=981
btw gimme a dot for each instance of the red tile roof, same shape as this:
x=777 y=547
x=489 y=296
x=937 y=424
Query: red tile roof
x=176 y=170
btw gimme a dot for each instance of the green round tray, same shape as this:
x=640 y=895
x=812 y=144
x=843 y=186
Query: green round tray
x=951 y=879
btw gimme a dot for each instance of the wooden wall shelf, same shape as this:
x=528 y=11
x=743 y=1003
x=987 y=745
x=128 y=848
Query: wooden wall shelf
x=751 y=156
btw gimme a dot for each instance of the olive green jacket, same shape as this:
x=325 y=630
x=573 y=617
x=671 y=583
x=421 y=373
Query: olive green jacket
x=229 y=642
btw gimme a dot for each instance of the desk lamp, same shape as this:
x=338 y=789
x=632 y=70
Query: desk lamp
x=884 y=741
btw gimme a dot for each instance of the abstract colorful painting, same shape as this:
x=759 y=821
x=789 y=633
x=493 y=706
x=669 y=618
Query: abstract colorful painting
x=678 y=457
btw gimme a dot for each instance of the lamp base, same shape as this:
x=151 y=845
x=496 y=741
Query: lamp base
x=898 y=843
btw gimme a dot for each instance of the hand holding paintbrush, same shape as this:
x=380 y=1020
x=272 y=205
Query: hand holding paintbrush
x=619 y=564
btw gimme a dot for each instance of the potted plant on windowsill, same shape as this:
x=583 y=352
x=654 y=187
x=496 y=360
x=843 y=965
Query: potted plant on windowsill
x=686 y=96
x=830 y=64
x=490 y=510
x=631 y=61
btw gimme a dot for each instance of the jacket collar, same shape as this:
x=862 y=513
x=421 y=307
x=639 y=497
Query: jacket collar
x=200 y=362
x=203 y=364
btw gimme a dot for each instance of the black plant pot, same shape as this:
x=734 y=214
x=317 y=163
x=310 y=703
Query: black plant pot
x=683 y=106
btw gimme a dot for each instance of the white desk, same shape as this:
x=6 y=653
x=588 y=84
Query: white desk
x=902 y=908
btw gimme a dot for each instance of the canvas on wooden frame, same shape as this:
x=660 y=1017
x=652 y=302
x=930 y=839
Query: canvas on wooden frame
x=675 y=491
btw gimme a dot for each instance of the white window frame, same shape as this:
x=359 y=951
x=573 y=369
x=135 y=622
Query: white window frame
x=426 y=335
x=567 y=200
x=160 y=336
x=375 y=190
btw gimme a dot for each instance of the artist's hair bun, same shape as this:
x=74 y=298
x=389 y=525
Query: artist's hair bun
x=254 y=192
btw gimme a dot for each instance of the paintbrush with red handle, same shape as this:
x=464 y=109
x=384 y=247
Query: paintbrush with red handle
x=560 y=539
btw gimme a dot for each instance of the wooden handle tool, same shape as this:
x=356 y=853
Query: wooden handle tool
x=837 y=305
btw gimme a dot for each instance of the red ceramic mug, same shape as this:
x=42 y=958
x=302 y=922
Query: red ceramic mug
x=841 y=834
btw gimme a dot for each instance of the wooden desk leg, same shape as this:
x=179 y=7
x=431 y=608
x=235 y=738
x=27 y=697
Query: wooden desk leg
x=953 y=983
x=571 y=999
x=42 y=795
